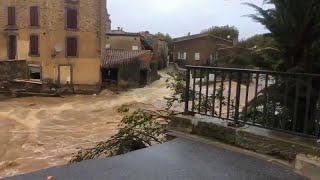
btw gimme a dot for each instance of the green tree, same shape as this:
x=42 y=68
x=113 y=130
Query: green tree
x=223 y=31
x=295 y=29
x=258 y=41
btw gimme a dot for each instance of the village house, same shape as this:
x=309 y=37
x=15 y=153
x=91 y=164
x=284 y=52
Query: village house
x=119 y=39
x=198 y=49
x=60 y=41
x=127 y=68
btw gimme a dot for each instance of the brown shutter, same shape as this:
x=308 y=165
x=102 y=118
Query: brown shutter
x=34 y=16
x=72 y=18
x=11 y=16
x=34 y=45
x=72 y=47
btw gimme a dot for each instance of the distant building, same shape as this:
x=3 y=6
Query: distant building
x=119 y=39
x=198 y=49
x=158 y=47
x=62 y=41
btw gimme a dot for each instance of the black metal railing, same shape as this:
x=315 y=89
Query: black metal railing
x=288 y=102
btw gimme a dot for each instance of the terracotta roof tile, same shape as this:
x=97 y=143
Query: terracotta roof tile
x=120 y=56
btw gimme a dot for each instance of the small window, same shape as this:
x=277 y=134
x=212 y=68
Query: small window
x=216 y=56
x=34 y=16
x=197 y=56
x=72 y=18
x=34 y=72
x=34 y=45
x=135 y=48
x=108 y=46
x=72 y=47
x=11 y=16
x=184 y=55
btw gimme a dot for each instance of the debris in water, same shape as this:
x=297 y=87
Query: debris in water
x=50 y=178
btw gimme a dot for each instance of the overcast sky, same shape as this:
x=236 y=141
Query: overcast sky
x=178 y=17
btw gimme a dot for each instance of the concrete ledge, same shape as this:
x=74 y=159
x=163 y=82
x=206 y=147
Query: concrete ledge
x=307 y=166
x=281 y=145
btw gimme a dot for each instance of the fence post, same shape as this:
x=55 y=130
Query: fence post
x=187 y=91
x=236 y=114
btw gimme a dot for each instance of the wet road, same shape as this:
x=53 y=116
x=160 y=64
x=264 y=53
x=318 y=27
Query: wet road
x=178 y=159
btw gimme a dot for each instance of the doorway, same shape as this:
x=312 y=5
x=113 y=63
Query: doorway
x=12 y=46
x=109 y=75
x=65 y=75
x=143 y=77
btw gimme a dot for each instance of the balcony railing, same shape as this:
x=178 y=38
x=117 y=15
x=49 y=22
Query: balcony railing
x=282 y=101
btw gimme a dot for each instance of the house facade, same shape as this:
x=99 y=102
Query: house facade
x=62 y=41
x=119 y=39
x=199 y=49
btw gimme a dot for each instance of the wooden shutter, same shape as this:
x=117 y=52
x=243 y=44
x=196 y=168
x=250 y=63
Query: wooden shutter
x=34 y=45
x=11 y=16
x=12 y=48
x=34 y=16
x=72 y=18
x=72 y=47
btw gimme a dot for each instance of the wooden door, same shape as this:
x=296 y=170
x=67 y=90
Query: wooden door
x=65 y=76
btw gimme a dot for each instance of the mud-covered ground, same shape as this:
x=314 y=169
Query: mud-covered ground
x=37 y=132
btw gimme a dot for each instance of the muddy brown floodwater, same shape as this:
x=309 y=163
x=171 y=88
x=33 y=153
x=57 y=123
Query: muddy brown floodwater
x=37 y=132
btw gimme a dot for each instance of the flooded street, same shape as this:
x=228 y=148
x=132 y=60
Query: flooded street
x=37 y=132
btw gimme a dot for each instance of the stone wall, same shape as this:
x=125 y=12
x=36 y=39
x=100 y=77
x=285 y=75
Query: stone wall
x=274 y=143
x=10 y=70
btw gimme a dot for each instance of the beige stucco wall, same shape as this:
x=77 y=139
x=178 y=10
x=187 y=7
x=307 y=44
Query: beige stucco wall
x=123 y=41
x=91 y=37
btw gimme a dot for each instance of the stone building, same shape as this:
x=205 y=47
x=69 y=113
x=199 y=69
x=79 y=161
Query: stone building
x=119 y=39
x=62 y=41
x=198 y=49
x=127 y=68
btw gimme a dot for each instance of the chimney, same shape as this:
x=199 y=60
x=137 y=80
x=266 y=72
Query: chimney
x=118 y=28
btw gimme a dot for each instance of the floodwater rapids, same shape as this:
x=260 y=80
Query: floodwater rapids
x=40 y=132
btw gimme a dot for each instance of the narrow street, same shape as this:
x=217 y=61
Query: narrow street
x=38 y=133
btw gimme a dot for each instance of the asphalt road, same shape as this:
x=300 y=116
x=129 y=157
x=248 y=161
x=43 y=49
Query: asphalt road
x=178 y=159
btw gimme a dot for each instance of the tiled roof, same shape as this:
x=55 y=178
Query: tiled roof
x=120 y=56
x=122 y=33
x=195 y=36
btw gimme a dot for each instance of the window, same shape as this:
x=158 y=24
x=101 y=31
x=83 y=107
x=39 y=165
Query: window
x=108 y=46
x=11 y=16
x=216 y=56
x=135 y=48
x=12 y=46
x=34 y=72
x=72 y=18
x=178 y=55
x=34 y=16
x=211 y=57
x=197 y=56
x=34 y=45
x=184 y=55
x=72 y=47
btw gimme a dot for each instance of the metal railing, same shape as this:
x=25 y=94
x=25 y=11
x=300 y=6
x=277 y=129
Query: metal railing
x=282 y=101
